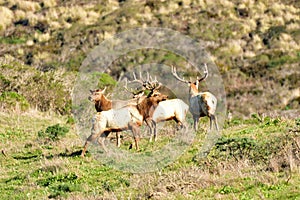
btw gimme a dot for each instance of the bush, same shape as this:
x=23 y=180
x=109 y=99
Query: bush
x=106 y=80
x=236 y=147
x=4 y=83
x=297 y=121
x=44 y=90
x=53 y=133
x=13 y=100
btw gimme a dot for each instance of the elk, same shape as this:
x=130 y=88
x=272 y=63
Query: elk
x=130 y=117
x=148 y=84
x=201 y=103
x=103 y=104
x=173 y=109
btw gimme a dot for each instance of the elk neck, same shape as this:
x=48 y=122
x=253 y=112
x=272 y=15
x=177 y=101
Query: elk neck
x=103 y=104
x=145 y=105
x=193 y=90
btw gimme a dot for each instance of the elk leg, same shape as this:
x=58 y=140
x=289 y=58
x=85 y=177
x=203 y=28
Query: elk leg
x=91 y=138
x=154 y=128
x=136 y=140
x=101 y=140
x=195 y=122
x=215 y=121
x=210 y=122
x=84 y=148
x=118 y=139
x=150 y=125
x=135 y=131
x=180 y=125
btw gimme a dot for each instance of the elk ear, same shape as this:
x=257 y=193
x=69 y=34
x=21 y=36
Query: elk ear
x=91 y=91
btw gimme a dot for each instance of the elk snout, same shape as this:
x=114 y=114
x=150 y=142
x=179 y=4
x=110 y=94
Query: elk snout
x=90 y=99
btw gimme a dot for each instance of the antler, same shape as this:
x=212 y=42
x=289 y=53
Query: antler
x=134 y=93
x=176 y=75
x=185 y=81
x=149 y=84
x=141 y=81
x=103 y=90
x=205 y=74
x=152 y=84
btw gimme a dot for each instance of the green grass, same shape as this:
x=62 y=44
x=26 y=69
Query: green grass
x=281 y=60
x=12 y=40
x=36 y=168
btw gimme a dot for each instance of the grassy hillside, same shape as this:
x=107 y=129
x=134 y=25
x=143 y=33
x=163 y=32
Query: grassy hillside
x=257 y=158
x=254 y=44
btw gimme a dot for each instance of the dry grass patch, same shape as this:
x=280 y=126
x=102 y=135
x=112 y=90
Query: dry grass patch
x=6 y=16
x=28 y=5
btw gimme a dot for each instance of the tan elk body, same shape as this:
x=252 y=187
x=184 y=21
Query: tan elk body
x=201 y=103
x=172 y=109
x=102 y=103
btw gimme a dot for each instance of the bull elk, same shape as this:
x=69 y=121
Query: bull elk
x=130 y=117
x=171 y=109
x=201 y=103
x=102 y=103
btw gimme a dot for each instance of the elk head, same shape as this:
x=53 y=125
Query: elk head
x=96 y=95
x=193 y=86
x=157 y=97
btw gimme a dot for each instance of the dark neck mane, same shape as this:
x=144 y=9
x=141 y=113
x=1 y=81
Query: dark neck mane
x=103 y=104
x=145 y=106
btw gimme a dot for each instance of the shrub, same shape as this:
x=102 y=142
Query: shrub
x=236 y=147
x=44 y=90
x=12 y=40
x=106 y=80
x=60 y=184
x=4 y=83
x=53 y=133
x=297 y=121
x=13 y=100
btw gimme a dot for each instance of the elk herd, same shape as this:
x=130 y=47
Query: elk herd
x=148 y=106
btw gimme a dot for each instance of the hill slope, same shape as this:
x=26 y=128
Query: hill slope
x=254 y=44
x=254 y=159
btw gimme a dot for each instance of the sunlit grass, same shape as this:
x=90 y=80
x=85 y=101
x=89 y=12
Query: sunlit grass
x=32 y=167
